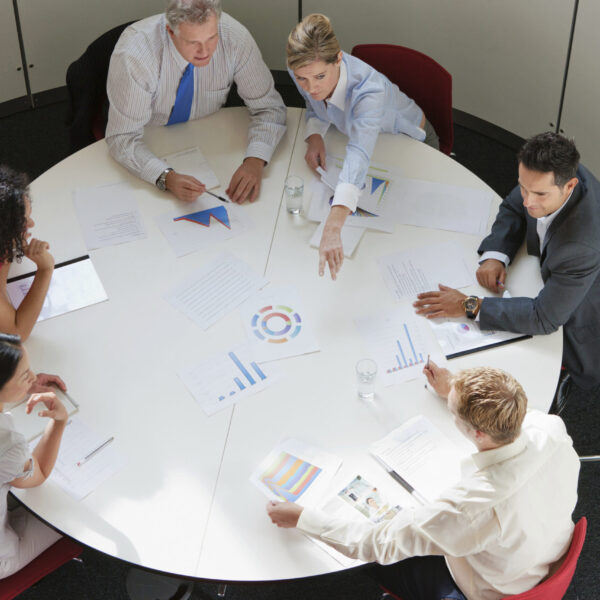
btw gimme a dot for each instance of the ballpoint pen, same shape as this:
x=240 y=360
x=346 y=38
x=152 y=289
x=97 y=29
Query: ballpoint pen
x=399 y=479
x=217 y=196
x=94 y=452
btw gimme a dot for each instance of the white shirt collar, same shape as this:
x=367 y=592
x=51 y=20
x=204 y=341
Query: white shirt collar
x=491 y=457
x=338 y=98
x=545 y=221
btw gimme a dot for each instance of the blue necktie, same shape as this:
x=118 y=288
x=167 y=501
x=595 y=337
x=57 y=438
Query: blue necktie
x=185 y=95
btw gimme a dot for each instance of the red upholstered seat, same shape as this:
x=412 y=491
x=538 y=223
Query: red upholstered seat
x=420 y=78
x=556 y=585
x=51 y=559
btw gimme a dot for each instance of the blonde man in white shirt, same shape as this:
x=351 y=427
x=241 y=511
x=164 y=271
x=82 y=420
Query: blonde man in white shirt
x=497 y=532
x=177 y=66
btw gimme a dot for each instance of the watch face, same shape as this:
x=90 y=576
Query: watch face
x=471 y=303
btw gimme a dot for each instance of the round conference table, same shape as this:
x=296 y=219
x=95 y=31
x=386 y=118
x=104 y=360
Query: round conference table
x=182 y=503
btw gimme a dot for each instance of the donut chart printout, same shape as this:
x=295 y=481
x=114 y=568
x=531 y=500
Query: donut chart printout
x=277 y=325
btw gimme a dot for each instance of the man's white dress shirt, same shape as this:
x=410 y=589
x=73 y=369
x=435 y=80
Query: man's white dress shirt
x=144 y=74
x=500 y=528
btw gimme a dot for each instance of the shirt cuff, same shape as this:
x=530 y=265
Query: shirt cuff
x=346 y=194
x=259 y=150
x=313 y=522
x=496 y=256
x=152 y=170
x=315 y=125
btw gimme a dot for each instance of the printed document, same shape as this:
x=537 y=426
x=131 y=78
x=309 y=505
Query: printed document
x=215 y=289
x=108 y=215
x=415 y=270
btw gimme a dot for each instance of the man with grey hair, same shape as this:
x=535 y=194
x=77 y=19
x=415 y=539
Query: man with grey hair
x=180 y=65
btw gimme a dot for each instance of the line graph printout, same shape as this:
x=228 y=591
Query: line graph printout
x=415 y=270
x=224 y=379
x=215 y=289
x=399 y=342
x=294 y=470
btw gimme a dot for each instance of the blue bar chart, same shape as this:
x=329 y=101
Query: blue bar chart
x=399 y=342
x=225 y=379
x=245 y=372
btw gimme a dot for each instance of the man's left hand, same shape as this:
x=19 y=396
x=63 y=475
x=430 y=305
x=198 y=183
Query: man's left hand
x=47 y=383
x=245 y=183
x=284 y=514
x=448 y=302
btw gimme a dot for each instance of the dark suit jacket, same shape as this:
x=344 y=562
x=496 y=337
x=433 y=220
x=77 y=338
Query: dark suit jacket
x=570 y=266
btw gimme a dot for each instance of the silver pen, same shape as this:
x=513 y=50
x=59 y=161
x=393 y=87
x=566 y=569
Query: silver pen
x=94 y=452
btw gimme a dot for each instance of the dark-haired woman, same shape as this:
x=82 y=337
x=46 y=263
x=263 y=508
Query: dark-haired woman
x=15 y=221
x=22 y=536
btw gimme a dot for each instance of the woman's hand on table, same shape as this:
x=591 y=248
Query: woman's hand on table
x=284 y=514
x=54 y=407
x=45 y=383
x=331 y=251
x=315 y=152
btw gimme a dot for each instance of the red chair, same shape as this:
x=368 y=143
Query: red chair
x=556 y=585
x=420 y=78
x=51 y=559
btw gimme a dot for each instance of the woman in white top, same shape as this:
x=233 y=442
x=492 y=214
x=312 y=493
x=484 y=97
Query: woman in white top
x=342 y=90
x=16 y=242
x=22 y=536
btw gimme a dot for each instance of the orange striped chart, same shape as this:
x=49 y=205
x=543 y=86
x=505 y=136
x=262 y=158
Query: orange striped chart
x=288 y=477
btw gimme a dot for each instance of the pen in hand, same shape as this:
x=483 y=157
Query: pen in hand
x=217 y=196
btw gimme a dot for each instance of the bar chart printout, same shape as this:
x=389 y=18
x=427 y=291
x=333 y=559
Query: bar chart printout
x=225 y=379
x=399 y=343
x=293 y=470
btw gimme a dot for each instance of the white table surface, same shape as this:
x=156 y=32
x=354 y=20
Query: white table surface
x=183 y=503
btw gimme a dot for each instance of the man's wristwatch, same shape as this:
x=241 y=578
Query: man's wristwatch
x=161 y=182
x=471 y=306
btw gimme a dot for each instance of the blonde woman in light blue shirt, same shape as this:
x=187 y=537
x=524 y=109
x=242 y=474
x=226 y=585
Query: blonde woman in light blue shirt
x=361 y=102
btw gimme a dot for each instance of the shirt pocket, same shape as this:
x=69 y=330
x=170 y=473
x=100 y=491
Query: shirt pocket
x=212 y=100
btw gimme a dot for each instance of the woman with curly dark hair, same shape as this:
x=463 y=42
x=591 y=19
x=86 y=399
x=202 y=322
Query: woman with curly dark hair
x=15 y=221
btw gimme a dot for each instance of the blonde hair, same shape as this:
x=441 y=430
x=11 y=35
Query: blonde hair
x=312 y=39
x=491 y=401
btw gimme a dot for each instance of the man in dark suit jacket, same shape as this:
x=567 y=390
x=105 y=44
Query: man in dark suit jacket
x=556 y=209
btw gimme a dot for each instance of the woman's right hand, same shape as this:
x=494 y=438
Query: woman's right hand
x=37 y=251
x=315 y=153
x=55 y=409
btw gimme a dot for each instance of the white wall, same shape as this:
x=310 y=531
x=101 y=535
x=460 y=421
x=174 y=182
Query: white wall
x=56 y=33
x=270 y=22
x=506 y=57
x=582 y=97
x=13 y=82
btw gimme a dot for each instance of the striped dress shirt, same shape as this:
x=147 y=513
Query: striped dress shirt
x=143 y=77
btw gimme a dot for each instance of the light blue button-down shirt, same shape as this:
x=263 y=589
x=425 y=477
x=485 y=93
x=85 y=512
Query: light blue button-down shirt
x=371 y=104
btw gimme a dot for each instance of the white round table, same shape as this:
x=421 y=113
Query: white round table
x=183 y=502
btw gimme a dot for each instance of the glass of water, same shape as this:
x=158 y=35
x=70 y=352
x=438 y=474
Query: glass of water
x=366 y=371
x=294 y=190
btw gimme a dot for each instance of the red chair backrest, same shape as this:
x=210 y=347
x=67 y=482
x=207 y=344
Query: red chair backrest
x=556 y=585
x=420 y=78
x=49 y=560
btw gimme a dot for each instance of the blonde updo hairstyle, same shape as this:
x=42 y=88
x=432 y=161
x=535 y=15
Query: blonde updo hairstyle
x=311 y=40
